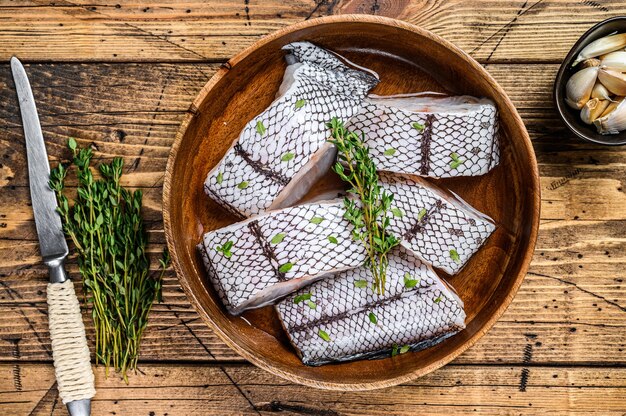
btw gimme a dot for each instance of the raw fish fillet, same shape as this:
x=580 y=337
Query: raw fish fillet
x=436 y=225
x=317 y=241
x=438 y=137
x=342 y=318
x=277 y=253
x=281 y=152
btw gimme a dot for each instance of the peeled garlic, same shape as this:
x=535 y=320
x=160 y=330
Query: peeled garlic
x=615 y=60
x=601 y=46
x=590 y=62
x=612 y=106
x=600 y=91
x=592 y=110
x=614 y=81
x=579 y=86
x=613 y=122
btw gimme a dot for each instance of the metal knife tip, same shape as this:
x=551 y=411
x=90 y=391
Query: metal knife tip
x=15 y=62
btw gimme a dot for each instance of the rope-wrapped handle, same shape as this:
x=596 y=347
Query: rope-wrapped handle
x=70 y=352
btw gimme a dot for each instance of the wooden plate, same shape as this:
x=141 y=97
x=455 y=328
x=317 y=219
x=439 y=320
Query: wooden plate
x=408 y=59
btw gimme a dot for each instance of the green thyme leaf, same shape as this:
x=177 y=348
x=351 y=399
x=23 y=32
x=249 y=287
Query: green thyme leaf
x=421 y=214
x=397 y=212
x=394 y=350
x=287 y=157
x=300 y=103
x=220 y=178
x=372 y=318
x=311 y=304
x=455 y=256
x=71 y=143
x=409 y=282
x=360 y=284
x=243 y=185
x=260 y=128
x=225 y=249
x=278 y=238
x=405 y=349
x=438 y=299
x=301 y=298
x=333 y=239
x=285 y=267
x=456 y=161
x=390 y=152
x=317 y=220
x=323 y=335
x=418 y=126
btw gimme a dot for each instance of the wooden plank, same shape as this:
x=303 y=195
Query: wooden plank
x=212 y=390
x=196 y=30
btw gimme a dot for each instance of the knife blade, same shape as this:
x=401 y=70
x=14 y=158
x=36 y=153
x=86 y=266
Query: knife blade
x=49 y=229
x=69 y=346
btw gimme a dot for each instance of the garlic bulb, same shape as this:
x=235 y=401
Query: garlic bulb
x=613 y=122
x=601 y=46
x=614 y=81
x=615 y=60
x=600 y=91
x=579 y=87
x=593 y=109
x=612 y=106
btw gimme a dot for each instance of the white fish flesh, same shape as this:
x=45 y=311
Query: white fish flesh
x=342 y=318
x=281 y=152
x=437 y=225
x=438 y=137
x=254 y=262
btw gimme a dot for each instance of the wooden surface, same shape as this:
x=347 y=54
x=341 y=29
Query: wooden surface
x=118 y=78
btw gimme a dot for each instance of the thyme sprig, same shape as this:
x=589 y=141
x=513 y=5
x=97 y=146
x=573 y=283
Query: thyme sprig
x=370 y=215
x=106 y=227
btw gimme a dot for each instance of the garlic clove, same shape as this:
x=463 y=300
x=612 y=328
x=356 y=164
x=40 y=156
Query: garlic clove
x=601 y=46
x=614 y=81
x=590 y=62
x=615 y=60
x=613 y=122
x=600 y=91
x=612 y=106
x=593 y=109
x=579 y=86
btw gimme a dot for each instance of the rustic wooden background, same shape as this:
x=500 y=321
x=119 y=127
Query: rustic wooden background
x=119 y=76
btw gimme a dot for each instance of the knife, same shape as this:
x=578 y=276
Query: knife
x=72 y=365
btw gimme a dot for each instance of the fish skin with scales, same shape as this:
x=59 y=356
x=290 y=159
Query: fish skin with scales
x=283 y=150
x=317 y=240
x=438 y=137
x=351 y=321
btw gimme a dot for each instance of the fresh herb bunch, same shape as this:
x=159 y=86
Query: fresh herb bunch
x=106 y=227
x=370 y=214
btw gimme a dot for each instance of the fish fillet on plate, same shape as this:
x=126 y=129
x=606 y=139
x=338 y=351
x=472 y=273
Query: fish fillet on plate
x=282 y=152
x=254 y=262
x=437 y=225
x=342 y=318
x=438 y=137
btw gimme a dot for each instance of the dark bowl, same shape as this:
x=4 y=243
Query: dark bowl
x=571 y=117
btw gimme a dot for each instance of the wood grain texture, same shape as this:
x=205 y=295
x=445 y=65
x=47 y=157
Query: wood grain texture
x=196 y=30
x=564 y=332
x=183 y=390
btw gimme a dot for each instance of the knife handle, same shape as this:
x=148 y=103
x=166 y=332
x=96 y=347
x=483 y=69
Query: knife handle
x=72 y=364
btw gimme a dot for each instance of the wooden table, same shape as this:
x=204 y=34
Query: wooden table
x=120 y=76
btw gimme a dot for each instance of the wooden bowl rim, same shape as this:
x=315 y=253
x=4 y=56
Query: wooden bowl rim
x=486 y=326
